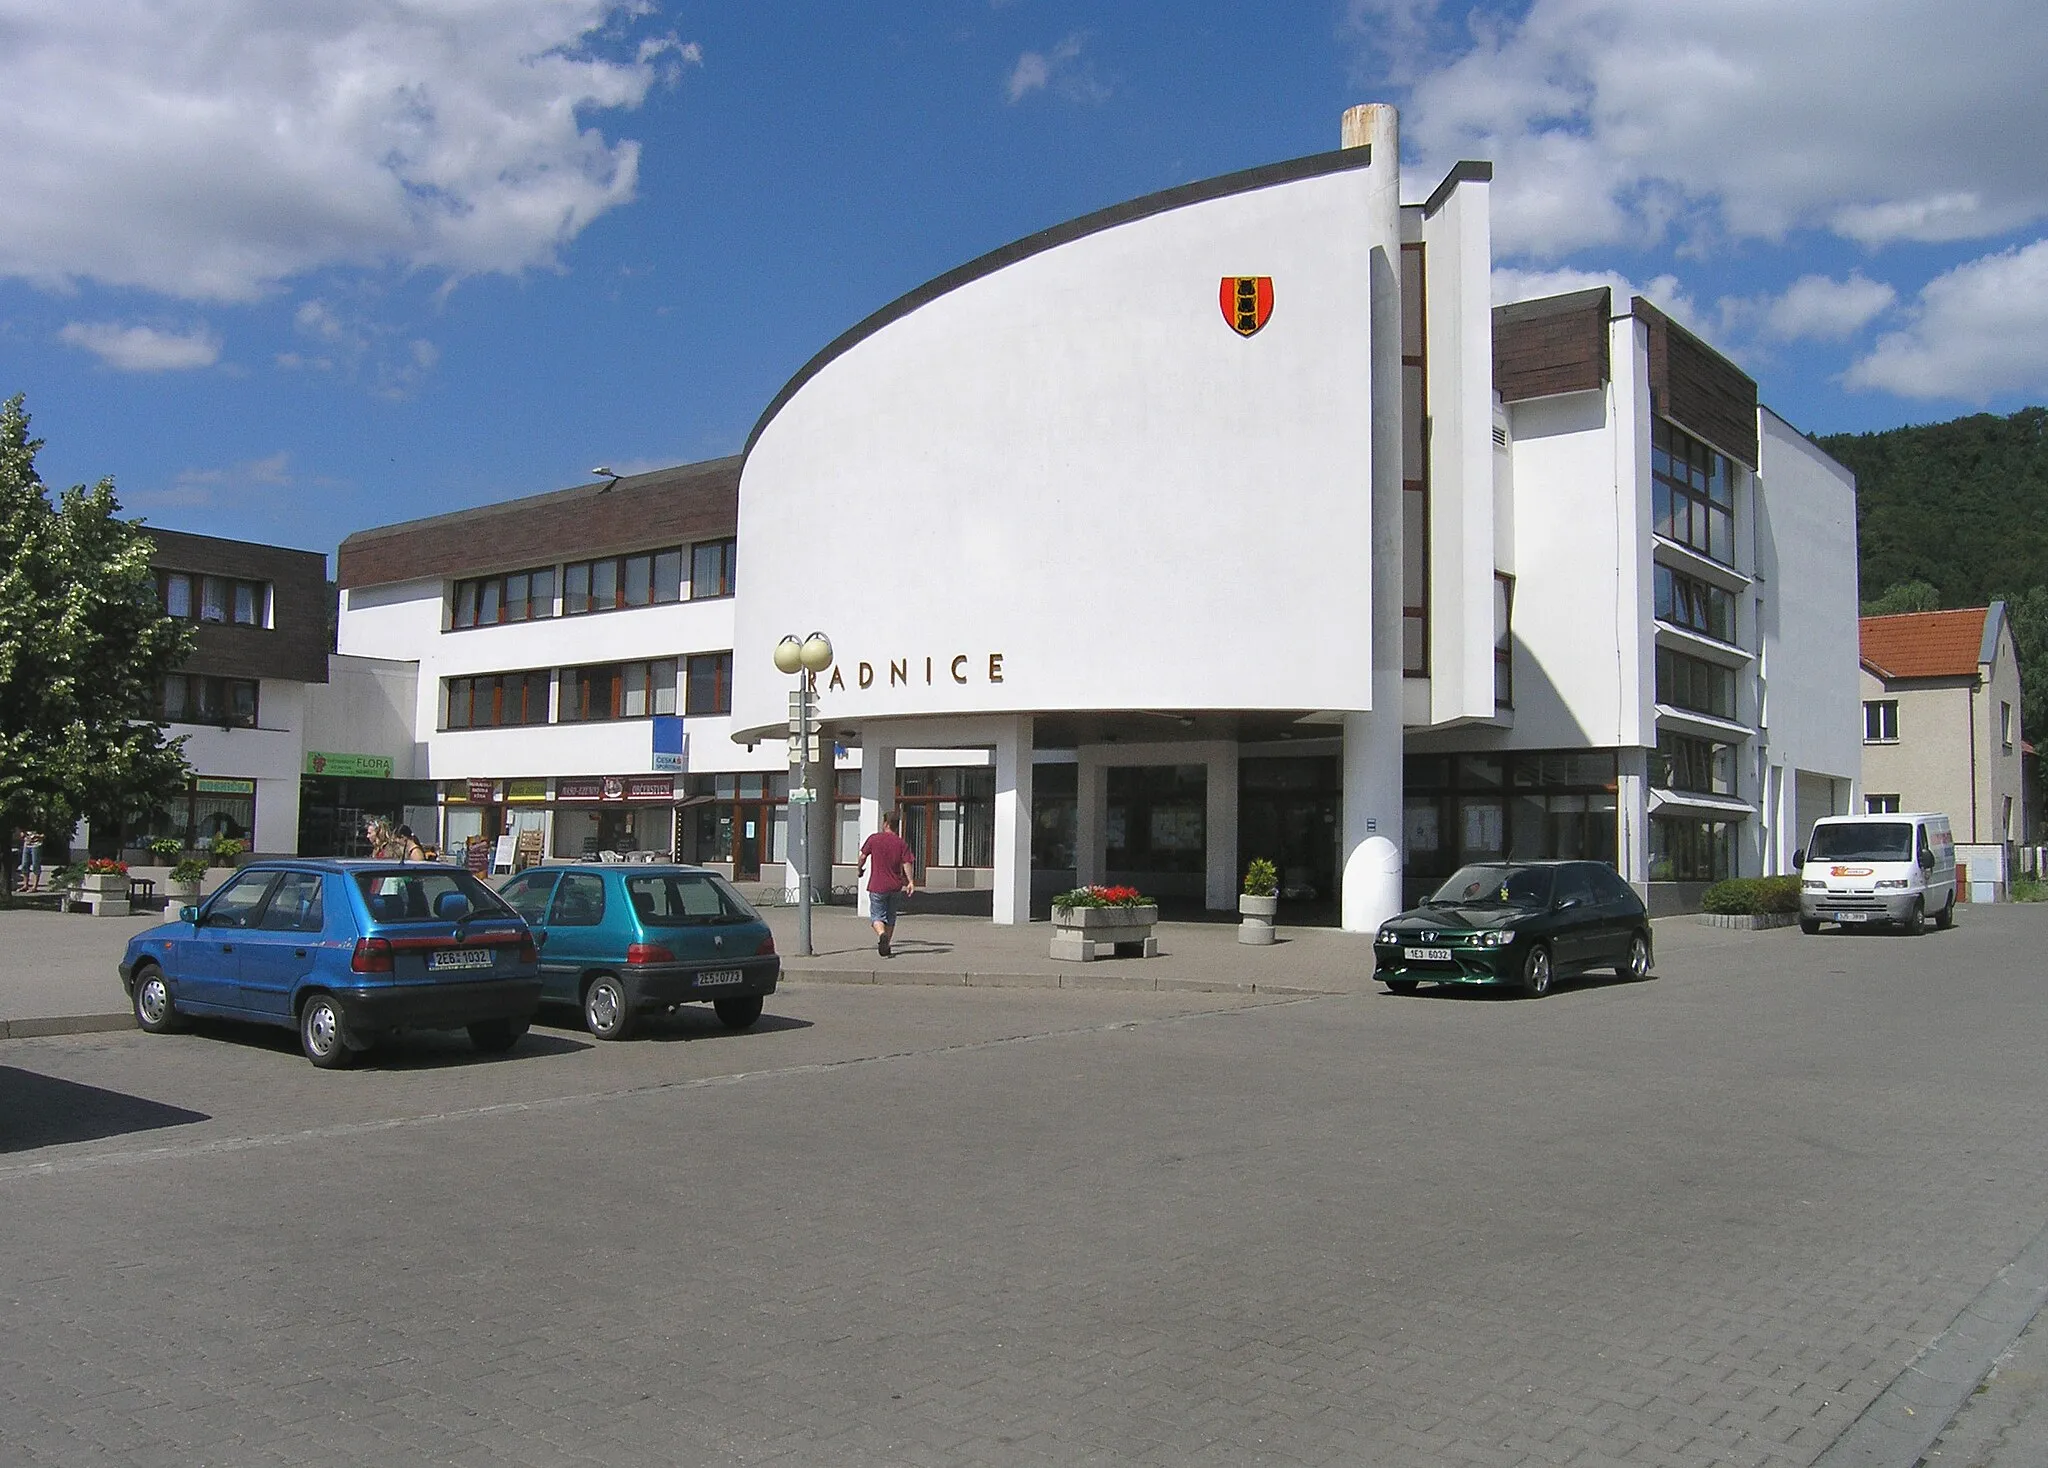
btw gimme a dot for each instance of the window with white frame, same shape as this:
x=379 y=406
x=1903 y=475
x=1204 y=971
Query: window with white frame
x=1881 y=721
x=1880 y=805
x=2005 y=726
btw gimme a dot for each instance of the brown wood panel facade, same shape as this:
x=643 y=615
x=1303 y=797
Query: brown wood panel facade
x=1697 y=388
x=1555 y=345
x=639 y=512
x=301 y=634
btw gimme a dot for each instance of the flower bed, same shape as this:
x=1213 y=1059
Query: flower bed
x=1103 y=922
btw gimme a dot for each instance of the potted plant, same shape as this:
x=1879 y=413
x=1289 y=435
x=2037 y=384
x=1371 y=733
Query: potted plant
x=224 y=851
x=186 y=876
x=1259 y=903
x=166 y=849
x=1102 y=922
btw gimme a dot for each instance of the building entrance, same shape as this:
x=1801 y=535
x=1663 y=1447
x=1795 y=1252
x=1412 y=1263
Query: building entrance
x=1289 y=812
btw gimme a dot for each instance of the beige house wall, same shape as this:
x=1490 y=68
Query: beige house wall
x=1950 y=755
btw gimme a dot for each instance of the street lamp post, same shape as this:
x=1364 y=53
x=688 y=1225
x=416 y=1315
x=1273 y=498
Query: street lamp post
x=806 y=657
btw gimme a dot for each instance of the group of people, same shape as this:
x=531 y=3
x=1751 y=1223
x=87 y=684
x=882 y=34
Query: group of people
x=393 y=843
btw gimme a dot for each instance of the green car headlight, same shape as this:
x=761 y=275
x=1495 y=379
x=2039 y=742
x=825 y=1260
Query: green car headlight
x=1386 y=935
x=1498 y=938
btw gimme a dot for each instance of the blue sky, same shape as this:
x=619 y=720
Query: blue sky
x=289 y=271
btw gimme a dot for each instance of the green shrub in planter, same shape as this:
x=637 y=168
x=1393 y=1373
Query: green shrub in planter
x=1752 y=894
x=1260 y=878
x=166 y=848
x=191 y=869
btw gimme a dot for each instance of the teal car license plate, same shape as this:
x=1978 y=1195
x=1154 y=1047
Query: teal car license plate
x=714 y=978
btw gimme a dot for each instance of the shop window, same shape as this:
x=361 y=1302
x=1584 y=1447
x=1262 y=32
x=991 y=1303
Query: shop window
x=196 y=698
x=1881 y=721
x=497 y=700
x=1684 y=601
x=220 y=599
x=1691 y=683
x=1157 y=818
x=711 y=569
x=1691 y=851
x=710 y=683
x=635 y=690
x=1692 y=491
x=519 y=596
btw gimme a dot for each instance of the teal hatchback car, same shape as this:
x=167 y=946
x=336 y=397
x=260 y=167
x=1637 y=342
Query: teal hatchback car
x=622 y=940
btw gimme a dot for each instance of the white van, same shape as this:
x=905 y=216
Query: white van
x=1897 y=868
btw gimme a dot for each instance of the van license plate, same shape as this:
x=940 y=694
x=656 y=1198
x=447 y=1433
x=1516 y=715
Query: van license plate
x=1427 y=955
x=1852 y=917
x=441 y=960
x=714 y=978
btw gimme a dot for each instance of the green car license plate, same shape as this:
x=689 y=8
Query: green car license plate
x=1427 y=955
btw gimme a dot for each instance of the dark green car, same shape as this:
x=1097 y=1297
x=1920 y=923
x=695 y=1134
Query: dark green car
x=1520 y=924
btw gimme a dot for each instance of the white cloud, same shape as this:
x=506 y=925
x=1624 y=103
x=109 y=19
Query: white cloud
x=210 y=149
x=143 y=348
x=1978 y=332
x=229 y=486
x=1631 y=122
x=1061 y=69
x=1662 y=291
x=1815 y=307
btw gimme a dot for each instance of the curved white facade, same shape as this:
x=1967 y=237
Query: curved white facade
x=1067 y=483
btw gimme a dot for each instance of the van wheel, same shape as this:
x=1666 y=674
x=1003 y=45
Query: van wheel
x=1946 y=918
x=1809 y=926
x=1916 y=920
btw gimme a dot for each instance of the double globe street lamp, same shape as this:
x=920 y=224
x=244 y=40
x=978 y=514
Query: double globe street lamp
x=806 y=657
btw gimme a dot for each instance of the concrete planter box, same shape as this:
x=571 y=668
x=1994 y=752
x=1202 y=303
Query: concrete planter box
x=1084 y=934
x=1258 y=914
x=1750 y=920
x=104 y=894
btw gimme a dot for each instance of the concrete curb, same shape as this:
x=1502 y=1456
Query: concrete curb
x=1124 y=983
x=70 y=1024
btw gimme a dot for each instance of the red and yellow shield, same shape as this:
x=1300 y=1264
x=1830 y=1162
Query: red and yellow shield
x=1247 y=300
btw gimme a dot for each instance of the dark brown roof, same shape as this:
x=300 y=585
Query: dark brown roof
x=637 y=512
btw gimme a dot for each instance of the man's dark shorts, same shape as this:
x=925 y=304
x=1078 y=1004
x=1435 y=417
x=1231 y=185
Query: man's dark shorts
x=883 y=906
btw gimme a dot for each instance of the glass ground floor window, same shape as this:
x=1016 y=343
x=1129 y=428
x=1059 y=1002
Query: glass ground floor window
x=333 y=812
x=1686 y=850
x=581 y=832
x=1522 y=805
x=209 y=806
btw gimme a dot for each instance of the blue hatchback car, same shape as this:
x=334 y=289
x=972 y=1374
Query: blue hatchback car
x=623 y=940
x=346 y=952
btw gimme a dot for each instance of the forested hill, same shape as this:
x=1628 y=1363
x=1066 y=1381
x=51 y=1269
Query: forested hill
x=1961 y=506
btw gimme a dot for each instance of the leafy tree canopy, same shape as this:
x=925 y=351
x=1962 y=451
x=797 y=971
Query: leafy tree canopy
x=84 y=647
x=1907 y=596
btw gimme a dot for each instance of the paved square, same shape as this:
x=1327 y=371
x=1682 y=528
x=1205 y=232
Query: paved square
x=1701 y=1220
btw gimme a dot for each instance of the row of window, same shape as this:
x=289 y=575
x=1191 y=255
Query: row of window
x=611 y=583
x=194 y=598
x=1692 y=683
x=594 y=694
x=195 y=698
x=1881 y=723
x=1692 y=493
x=1701 y=766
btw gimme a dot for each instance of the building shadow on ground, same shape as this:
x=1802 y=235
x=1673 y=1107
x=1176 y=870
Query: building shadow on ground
x=43 y=1111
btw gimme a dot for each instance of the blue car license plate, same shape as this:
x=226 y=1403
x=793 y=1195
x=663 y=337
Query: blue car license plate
x=442 y=960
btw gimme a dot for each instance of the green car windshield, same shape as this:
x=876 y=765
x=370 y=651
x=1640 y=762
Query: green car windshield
x=1496 y=884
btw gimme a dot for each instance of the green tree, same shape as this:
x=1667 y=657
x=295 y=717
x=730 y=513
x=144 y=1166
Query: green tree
x=1907 y=596
x=84 y=647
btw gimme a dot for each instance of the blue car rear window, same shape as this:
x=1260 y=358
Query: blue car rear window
x=408 y=896
x=686 y=899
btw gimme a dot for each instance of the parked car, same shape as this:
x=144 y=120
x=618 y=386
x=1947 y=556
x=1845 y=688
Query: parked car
x=346 y=952
x=1859 y=870
x=622 y=941
x=1520 y=924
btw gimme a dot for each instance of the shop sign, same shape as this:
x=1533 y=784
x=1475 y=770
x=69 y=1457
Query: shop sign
x=526 y=791
x=671 y=744
x=650 y=787
x=476 y=856
x=207 y=786
x=348 y=766
x=482 y=792
x=579 y=787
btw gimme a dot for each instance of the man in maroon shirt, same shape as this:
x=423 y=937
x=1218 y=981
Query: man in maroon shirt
x=890 y=878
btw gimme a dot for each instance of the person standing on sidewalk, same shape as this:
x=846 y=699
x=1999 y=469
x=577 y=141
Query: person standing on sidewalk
x=31 y=860
x=891 y=869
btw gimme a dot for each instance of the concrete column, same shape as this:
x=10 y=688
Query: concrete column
x=1632 y=795
x=1091 y=809
x=1224 y=879
x=276 y=831
x=877 y=782
x=1372 y=741
x=1013 y=822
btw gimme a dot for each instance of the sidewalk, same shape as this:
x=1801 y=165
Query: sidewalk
x=58 y=972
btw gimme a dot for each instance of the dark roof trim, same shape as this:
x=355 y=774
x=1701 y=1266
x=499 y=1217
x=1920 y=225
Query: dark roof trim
x=1245 y=181
x=1994 y=618
x=1463 y=172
